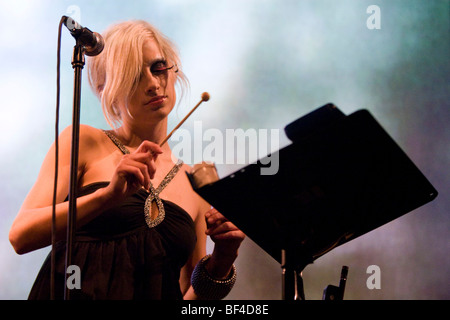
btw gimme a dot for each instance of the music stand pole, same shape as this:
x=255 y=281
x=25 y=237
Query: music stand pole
x=77 y=64
x=292 y=281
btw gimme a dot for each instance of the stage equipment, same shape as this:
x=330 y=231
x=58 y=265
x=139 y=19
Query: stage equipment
x=341 y=177
x=91 y=44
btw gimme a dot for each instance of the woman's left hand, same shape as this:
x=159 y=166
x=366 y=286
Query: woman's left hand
x=226 y=236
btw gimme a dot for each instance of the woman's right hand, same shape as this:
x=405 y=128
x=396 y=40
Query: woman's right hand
x=134 y=171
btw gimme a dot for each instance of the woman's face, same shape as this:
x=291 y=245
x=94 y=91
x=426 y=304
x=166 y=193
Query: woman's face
x=155 y=95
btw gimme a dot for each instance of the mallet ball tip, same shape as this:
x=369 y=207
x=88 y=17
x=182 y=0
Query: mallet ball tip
x=205 y=96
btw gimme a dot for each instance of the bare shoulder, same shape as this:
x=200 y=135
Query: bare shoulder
x=92 y=141
x=185 y=167
x=88 y=134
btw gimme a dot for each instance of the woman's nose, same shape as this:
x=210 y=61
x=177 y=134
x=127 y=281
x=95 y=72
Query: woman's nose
x=150 y=82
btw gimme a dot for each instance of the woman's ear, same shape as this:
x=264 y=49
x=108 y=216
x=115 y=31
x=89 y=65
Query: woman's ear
x=100 y=89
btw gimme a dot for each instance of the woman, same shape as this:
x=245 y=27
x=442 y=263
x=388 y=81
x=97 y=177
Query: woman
x=141 y=229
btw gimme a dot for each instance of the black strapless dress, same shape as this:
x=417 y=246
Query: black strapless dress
x=120 y=257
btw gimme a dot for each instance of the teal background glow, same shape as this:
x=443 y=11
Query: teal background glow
x=265 y=63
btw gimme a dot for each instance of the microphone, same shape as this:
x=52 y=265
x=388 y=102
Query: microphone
x=92 y=41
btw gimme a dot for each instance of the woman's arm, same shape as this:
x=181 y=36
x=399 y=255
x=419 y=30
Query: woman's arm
x=227 y=238
x=31 y=229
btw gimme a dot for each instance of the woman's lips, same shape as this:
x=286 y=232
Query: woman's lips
x=156 y=101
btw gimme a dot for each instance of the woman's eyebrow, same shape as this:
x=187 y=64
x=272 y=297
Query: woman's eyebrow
x=153 y=61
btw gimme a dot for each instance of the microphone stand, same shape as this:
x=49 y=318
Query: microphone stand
x=78 y=62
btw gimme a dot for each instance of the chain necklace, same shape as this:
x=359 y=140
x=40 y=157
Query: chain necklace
x=153 y=196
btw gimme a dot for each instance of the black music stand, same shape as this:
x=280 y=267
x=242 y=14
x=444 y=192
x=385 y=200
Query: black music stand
x=342 y=177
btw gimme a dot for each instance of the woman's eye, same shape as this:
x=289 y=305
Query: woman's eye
x=158 y=67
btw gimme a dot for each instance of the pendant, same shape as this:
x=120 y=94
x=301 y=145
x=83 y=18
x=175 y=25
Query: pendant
x=153 y=221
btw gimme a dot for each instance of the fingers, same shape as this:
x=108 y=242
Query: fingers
x=148 y=146
x=144 y=158
x=136 y=169
x=214 y=217
x=220 y=228
x=147 y=153
x=223 y=230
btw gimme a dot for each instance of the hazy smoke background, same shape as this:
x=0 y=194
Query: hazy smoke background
x=265 y=63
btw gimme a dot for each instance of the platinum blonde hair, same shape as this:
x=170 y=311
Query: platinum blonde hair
x=114 y=74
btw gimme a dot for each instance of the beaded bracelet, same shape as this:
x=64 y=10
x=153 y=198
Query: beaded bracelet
x=207 y=287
